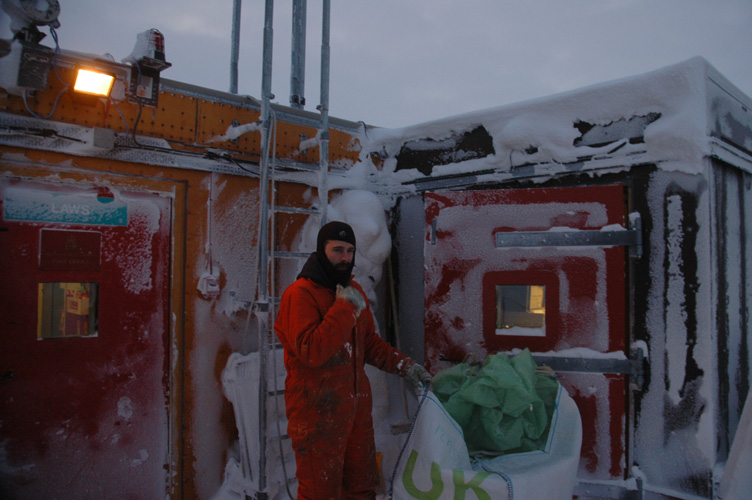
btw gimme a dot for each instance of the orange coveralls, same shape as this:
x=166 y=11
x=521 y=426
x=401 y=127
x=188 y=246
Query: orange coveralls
x=327 y=393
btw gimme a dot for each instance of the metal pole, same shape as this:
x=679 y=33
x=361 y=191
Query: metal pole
x=324 y=108
x=235 y=48
x=262 y=304
x=297 y=74
x=266 y=83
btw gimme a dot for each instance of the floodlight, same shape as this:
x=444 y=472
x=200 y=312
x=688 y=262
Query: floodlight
x=93 y=82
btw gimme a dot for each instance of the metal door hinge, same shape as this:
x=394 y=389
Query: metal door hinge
x=632 y=366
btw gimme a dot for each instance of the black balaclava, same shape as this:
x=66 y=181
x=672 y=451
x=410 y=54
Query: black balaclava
x=340 y=231
x=318 y=268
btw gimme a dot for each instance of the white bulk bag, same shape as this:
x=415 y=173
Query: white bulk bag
x=435 y=464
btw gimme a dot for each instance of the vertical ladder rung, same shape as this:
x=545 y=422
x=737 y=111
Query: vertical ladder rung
x=292 y=255
x=295 y=210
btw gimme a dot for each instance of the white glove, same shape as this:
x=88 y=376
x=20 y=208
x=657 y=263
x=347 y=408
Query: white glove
x=353 y=296
x=419 y=376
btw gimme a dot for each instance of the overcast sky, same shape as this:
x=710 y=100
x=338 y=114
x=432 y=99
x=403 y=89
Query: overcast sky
x=403 y=62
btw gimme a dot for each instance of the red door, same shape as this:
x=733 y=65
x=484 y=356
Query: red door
x=514 y=269
x=83 y=349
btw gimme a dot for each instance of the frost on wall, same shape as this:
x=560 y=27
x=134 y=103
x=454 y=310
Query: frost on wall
x=222 y=324
x=583 y=290
x=135 y=264
x=453 y=291
x=675 y=429
x=230 y=249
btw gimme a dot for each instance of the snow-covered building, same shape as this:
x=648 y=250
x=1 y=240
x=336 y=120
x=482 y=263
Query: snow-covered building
x=606 y=229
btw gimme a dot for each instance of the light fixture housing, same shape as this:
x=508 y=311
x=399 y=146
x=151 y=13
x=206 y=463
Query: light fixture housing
x=148 y=61
x=93 y=82
x=25 y=67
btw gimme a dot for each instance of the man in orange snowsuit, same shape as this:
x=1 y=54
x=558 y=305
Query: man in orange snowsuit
x=327 y=330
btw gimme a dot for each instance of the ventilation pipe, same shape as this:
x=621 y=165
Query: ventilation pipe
x=297 y=73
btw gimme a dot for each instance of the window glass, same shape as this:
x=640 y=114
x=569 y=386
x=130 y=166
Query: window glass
x=521 y=310
x=67 y=310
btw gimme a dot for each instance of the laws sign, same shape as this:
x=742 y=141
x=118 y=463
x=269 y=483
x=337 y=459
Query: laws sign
x=28 y=204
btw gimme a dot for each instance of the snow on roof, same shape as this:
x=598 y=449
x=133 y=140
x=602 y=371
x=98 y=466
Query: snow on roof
x=660 y=117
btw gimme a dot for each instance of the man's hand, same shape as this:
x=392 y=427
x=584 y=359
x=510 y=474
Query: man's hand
x=353 y=296
x=419 y=376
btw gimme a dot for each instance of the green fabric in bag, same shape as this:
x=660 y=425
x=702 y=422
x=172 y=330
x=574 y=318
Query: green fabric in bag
x=503 y=406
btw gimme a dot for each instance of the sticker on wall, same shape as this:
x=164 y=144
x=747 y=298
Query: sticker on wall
x=34 y=205
x=66 y=250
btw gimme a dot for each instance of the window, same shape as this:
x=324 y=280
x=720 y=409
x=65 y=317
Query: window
x=521 y=310
x=67 y=310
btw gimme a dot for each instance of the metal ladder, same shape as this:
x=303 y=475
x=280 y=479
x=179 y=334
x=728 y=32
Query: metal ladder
x=265 y=305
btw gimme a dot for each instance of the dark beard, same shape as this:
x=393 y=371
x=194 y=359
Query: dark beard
x=325 y=273
x=342 y=276
x=339 y=276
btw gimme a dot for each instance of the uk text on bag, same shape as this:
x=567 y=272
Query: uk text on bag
x=435 y=463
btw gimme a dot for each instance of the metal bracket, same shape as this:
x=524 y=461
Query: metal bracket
x=632 y=367
x=261 y=307
x=630 y=237
x=609 y=489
